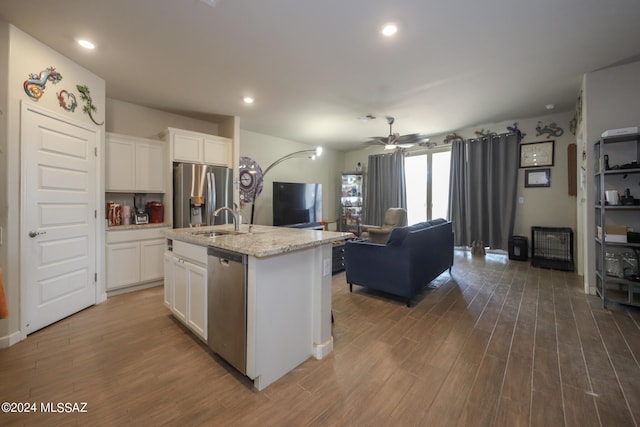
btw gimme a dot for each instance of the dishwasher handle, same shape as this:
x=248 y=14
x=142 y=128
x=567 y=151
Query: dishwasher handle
x=227 y=256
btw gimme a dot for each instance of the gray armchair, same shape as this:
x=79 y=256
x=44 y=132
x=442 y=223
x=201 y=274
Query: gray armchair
x=394 y=217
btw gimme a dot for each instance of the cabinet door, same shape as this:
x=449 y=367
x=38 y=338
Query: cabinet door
x=150 y=167
x=218 y=151
x=151 y=256
x=120 y=165
x=197 y=308
x=123 y=264
x=168 y=279
x=187 y=148
x=179 y=299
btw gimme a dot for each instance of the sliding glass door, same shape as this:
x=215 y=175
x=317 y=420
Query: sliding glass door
x=427 y=177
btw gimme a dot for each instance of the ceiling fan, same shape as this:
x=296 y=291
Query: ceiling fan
x=395 y=140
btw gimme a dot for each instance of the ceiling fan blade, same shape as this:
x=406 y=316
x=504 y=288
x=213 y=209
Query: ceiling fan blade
x=374 y=143
x=393 y=138
x=413 y=138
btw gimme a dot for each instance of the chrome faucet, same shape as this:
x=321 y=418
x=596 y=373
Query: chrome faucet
x=237 y=217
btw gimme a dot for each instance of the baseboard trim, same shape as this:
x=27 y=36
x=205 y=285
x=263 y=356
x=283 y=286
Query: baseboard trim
x=320 y=351
x=133 y=288
x=9 y=340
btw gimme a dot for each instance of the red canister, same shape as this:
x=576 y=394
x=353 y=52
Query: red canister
x=156 y=212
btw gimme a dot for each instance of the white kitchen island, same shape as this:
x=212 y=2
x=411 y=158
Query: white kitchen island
x=288 y=296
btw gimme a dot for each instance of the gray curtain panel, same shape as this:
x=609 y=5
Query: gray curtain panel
x=386 y=186
x=483 y=189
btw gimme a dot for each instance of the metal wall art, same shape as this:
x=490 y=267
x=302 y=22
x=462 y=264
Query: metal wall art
x=36 y=84
x=89 y=108
x=551 y=130
x=452 y=137
x=250 y=179
x=518 y=132
x=67 y=100
x=484 y=133
x=577 y=117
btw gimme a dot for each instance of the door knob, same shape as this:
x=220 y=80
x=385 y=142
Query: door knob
x=36 y=233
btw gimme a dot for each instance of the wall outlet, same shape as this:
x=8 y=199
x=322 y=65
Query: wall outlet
x=521 y=200
x=326 y=267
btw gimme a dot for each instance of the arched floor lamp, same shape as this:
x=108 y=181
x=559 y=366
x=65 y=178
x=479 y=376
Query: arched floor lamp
x=252 y=176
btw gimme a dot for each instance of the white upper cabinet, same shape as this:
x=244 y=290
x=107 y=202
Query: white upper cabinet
x=194 y=147
x=134 y=164
x=120 y=164
x=187 y=148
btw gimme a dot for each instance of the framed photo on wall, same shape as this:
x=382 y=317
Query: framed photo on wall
x=537 y=178
x=536 y=154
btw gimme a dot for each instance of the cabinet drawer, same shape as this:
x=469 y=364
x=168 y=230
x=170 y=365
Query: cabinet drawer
x=119 y=236
x=190 y=251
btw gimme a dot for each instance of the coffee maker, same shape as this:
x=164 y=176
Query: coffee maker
x=140 y=215
x=156 y=212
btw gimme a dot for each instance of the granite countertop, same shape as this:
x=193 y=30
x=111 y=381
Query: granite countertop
x=262 y=241
x=137 y=226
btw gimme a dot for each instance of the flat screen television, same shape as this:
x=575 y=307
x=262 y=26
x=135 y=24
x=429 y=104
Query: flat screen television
x=297 y=204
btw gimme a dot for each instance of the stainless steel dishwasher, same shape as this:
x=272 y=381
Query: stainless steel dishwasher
x=227 y=306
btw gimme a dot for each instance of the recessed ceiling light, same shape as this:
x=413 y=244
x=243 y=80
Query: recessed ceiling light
x=248 y=100
x=389 y=30
x=549 y=106
x=86 y=44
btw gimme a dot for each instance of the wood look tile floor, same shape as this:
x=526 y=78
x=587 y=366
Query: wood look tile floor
x=497 y=342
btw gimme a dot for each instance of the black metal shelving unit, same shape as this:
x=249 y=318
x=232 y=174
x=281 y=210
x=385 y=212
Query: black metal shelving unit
x=617 y=168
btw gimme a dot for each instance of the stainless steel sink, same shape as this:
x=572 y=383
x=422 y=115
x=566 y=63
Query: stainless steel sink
x=215 y=233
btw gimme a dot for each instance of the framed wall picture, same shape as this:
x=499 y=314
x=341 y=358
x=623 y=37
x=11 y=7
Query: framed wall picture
x=536 y=154
x=537 y=178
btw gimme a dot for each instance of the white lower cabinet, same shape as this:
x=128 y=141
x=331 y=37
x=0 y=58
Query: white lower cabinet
x=168 y=278
x=134 y=257
x=151 y=256
x=197 y=294
x=123 y=264
x=186 y=290
x=180 y=288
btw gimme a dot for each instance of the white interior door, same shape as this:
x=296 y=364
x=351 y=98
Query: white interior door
x=58 y=223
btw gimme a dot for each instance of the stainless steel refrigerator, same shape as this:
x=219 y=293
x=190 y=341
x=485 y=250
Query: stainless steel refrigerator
x=198 y=190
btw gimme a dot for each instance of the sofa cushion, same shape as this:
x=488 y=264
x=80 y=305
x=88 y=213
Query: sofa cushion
x=437 y=221
x=397 y=236
x=399 y=233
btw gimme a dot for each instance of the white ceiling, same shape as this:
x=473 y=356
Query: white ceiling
x=316 y=67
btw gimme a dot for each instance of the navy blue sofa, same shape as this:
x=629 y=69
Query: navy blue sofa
x=413 y=256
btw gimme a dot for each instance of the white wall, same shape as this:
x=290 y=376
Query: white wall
x=546 y=207
x=7 y=326
x=324 y=170
x=26 y=56
x=136 y=120
x=612 y=101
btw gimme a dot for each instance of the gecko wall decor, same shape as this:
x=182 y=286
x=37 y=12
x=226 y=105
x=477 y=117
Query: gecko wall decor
x=551 y=130
x=36 y=84
x=89 y=108
x=67 y=100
